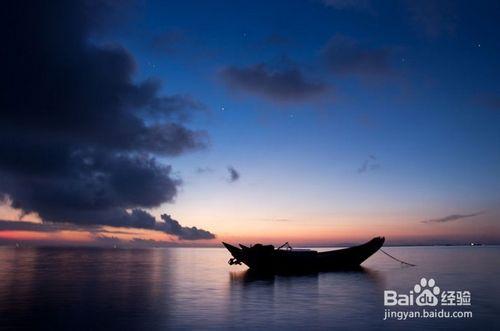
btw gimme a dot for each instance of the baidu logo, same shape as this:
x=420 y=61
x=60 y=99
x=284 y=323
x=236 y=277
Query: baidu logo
x=426 y=300
x=427 y=293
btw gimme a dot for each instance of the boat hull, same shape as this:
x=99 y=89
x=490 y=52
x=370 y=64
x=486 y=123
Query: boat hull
x=275 y=260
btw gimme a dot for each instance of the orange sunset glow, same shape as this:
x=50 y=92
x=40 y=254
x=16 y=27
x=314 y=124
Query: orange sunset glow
x=323 y=232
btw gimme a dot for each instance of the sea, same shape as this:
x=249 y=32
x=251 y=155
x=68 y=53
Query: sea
x=196 y=289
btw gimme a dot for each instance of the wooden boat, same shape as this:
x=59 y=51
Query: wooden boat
x=268 y=259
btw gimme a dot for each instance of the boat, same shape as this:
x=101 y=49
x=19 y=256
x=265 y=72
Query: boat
x=284 y=259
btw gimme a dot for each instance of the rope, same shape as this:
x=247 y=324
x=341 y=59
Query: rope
x=392 y=257
x=287 y=245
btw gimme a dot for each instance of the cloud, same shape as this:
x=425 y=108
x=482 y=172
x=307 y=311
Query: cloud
x=37 y=227
x=49 y=227
x=233 y=174
x=345 y=56
x=452 y=218
x=171 y=226
x=79 y=136
x=285 y=84
x=370 y=164
x=104 y=237
x=176 y=107
x=203 y=170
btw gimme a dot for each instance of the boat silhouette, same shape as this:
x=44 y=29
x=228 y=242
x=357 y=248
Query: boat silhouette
x=266 y=258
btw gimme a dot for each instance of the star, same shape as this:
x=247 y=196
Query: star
x=222 y=108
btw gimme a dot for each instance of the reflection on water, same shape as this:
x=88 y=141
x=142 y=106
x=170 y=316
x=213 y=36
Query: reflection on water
x=194 y=288
x=302 y=301
x=63 y=288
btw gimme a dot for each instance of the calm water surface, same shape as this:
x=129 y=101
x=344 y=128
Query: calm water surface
x=195 y=289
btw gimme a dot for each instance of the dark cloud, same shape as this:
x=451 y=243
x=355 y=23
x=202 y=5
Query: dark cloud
x=369 y=164
x=49 y=227
x=345 y=56
x=171 y=226
x=176 y=107
x=283 y=84
x=452 y=218
x=102 y=237
x=78 y=135
x=203 y=170
x=234 y=175
x=37 y=227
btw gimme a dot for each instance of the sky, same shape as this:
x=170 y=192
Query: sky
x=152 y=123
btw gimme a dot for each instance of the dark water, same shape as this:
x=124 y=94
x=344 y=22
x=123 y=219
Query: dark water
x=195 y=289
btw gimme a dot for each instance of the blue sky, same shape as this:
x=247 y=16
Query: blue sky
x=426 y=120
